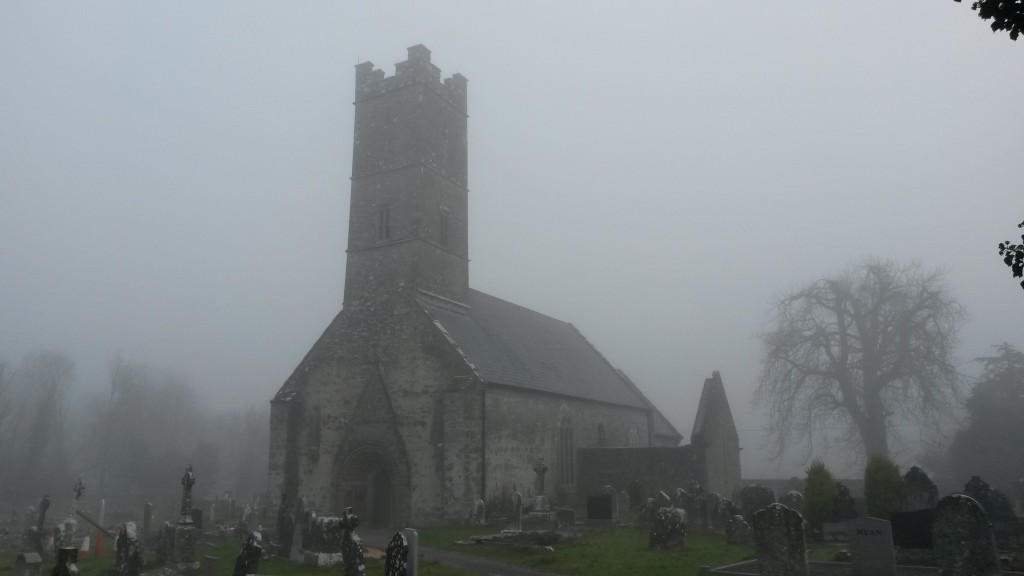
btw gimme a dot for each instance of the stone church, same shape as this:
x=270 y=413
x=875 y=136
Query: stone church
x=423 y=395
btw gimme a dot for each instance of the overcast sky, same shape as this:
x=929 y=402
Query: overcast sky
x=174 y=176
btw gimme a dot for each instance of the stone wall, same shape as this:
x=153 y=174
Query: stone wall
x=656 y=468
x=523 y=426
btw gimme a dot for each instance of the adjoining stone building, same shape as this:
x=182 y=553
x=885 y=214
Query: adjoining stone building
x=423 y=395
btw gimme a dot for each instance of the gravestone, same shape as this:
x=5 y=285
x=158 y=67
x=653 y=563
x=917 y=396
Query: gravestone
x=964 y=542
x=164 y=543
x=871 y=547
x=600 y=507
x=622 y=505
x=147 y=520
x=412 y=537
x=183 y=549
x=754 y=497
x=844 y=506
x=779 y=539
x=611 y=493
x=324 y=546
x=918 y=491
x=478 y=516
x=668 y=529
x=715 y=521
x=913 y=530
x=295 y=553
x=197 y=518
x=737 y=531
x=351 y=546
x=28 y=564
x=637 y=495
x=396 y=557
x=64 y=536
x=793 y=500
x=517 y=512
x=128 y=552
x=67 y=563
x=565 y=519
x=248 y=560
x=539 y=470
x=997 y=506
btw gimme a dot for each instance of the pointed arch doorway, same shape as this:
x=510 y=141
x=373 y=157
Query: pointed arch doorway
x=366 y=482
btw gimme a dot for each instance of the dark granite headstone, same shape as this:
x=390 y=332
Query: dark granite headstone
x=918 y=491
x=964 y=542
x=248 y=560
x=754 y=497
x=67 y=563
x=600 y=507
x=780 y=543
x=913 y=530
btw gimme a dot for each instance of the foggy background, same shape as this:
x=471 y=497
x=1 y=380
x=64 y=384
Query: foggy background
x=174 y=177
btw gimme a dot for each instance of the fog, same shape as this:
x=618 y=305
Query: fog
x=174 y=176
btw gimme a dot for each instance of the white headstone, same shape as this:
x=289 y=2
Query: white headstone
x=871 y=547
x=412 y=563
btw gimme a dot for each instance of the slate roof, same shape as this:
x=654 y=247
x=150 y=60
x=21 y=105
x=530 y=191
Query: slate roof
x=515 y=346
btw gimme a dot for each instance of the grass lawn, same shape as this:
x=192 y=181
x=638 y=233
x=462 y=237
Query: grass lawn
x=600 y=551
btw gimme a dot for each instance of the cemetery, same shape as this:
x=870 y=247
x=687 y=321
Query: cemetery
x=971 y=532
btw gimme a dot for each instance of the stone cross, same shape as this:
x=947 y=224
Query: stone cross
x=780 y=543
x=540 y=468
x=187 y=481
x=79 y=489
x=965 y=544
x=871 y=547
x=44 y=505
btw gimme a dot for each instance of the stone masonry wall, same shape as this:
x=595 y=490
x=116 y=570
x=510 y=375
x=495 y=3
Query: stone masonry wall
x=522 y=426
x=656 y=468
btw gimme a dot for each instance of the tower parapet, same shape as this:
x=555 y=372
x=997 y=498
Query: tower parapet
x=417 y=69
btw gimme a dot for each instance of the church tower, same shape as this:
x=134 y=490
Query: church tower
x=408 y=217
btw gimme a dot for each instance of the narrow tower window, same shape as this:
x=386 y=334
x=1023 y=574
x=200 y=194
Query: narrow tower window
x=383 y=222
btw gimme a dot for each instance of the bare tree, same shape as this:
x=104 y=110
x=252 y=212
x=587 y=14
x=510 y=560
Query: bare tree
x=48 y=374
x=858 y=351
x=118 y=422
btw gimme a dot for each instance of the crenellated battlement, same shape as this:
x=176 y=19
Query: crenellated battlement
x=417 y=69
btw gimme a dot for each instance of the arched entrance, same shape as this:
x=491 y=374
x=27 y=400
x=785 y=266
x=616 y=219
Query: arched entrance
x=366 y=483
